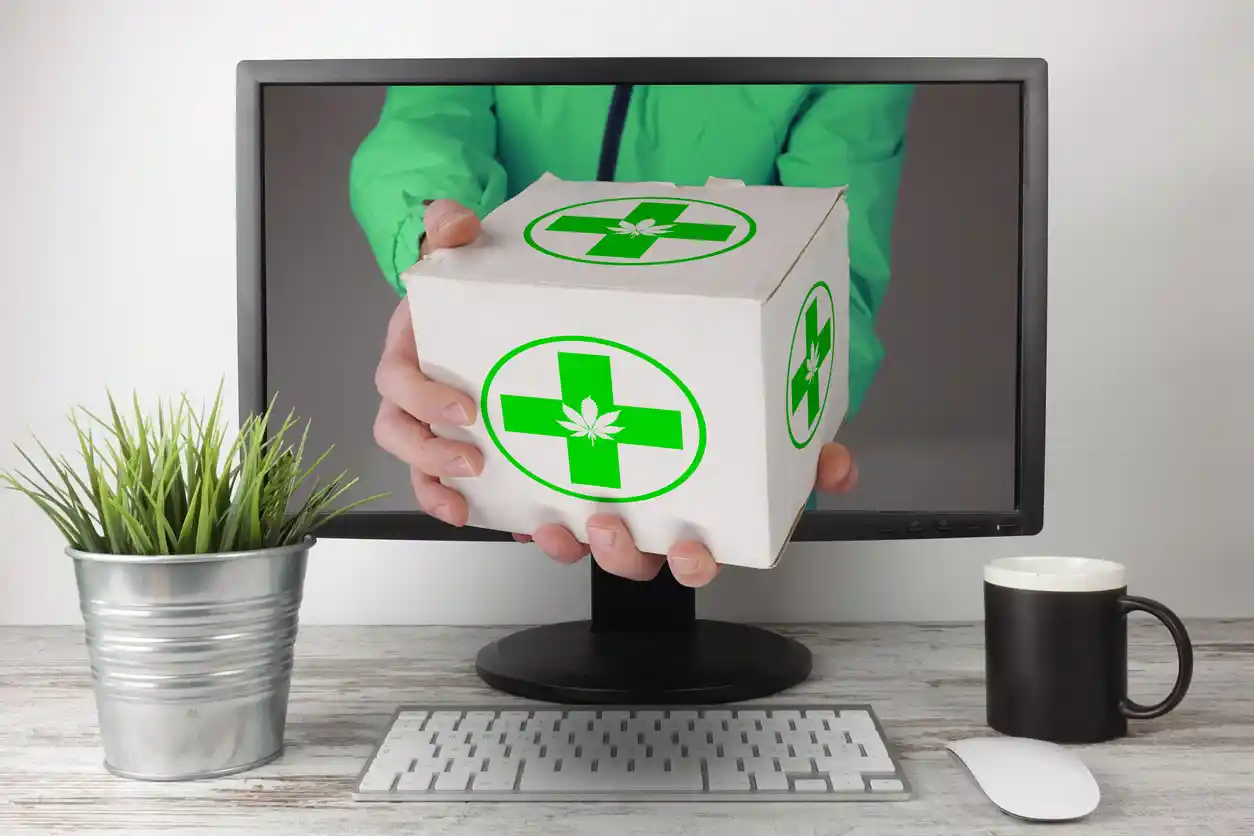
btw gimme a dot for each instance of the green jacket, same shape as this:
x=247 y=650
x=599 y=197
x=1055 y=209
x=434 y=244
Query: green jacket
x=481 y=145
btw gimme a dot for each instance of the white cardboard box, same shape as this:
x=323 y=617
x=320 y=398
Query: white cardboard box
x=673 y=355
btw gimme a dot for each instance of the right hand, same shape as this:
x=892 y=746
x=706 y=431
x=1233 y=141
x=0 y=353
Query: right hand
x=411 y=402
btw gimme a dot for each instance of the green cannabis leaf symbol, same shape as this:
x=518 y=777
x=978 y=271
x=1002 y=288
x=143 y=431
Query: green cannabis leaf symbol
x=647 y=227
x=812 y=362
x=589 y=423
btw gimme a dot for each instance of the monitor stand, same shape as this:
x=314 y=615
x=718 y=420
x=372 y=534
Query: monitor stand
x=643 y=645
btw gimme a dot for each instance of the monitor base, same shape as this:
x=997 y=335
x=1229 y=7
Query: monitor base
x=710 y=662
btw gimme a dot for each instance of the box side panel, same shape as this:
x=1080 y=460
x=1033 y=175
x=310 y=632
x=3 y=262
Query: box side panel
x=600 y=401
x=806 y=350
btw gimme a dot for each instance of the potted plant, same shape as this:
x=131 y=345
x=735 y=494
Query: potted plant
x=189 y=557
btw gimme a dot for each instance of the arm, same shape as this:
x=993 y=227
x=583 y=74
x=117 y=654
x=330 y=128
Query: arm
x=429 y=143
x=854 y=135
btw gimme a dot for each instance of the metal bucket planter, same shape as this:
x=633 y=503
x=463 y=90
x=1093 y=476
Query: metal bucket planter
x=191 y=657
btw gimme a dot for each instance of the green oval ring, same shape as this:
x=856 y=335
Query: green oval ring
x=531 y=241
x=692 y=401
x=831 y=306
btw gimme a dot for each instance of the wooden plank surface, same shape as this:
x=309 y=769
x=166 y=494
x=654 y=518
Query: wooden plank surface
x=1191 y=772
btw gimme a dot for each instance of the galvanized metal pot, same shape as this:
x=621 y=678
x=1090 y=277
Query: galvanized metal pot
x=191 y=657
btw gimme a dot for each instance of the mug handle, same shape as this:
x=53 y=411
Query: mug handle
x=1184 y=655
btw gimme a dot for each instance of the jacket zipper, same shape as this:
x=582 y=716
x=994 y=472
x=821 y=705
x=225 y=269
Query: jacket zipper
x=614 y=123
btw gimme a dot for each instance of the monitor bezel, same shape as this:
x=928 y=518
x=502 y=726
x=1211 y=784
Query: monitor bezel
x=1031 y=74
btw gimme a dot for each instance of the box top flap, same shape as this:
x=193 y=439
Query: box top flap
x=723 y=239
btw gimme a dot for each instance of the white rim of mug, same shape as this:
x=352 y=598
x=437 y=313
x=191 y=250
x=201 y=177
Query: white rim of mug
x=1056 y=574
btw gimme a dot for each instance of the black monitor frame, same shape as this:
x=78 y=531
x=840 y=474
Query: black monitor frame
x=643 y=643
x=1027 y=516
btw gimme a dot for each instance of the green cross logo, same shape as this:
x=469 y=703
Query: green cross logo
x=665 y=442
x=810 y=361
x=650 y=231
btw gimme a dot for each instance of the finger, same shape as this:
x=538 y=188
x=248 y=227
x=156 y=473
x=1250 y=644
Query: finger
x=400 y=335
x=412 y=442
x=558 y=543
x=837 y=471
x=438 y=500
x=692 y=564
x=448 y=224
x=400 y=381
x=522 y=538
x=615 y=551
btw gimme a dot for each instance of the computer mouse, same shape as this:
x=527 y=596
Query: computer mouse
x=1029 y=779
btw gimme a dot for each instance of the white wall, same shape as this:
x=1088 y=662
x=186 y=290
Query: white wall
x=117 y=261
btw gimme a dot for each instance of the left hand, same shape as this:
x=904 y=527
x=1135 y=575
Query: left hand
x=690 y=562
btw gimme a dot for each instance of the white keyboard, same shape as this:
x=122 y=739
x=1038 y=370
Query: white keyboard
x=543 y=753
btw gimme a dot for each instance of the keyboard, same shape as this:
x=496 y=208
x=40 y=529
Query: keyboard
x=543 y=753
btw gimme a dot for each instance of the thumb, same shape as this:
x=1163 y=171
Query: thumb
x=837 y=471
x=448 y=224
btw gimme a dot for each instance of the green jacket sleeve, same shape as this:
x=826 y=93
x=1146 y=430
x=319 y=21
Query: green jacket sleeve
x=430 y=142
x=854 y=135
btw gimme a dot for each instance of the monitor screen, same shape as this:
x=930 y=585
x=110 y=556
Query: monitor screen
x=934 y=241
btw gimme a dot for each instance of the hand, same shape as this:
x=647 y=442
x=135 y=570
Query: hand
x=412 y=402
x=690 y=563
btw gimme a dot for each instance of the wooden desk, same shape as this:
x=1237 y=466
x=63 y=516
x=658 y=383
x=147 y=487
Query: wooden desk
x=1189 y=773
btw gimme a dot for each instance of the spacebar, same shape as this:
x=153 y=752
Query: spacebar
x=582 y=780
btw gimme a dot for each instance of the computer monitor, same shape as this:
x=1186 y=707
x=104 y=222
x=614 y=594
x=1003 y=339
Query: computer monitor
x=946 y=160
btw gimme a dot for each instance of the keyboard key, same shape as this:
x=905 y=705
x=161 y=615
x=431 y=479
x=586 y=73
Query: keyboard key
x=491 y=750
x=773 y=750
x=810 y=785
x=760 y=764
x=451 y=737
x=595 y=751
x=476 y=720
x=456 y=750
x=415 y=781
x=493 y=781
x=431 y=765
x=410 y=720
x=443 y=721
x=378 y=780
x=454 y=780
x=808 y=750
x=761 y=737
x=543 y=721
x=701 y=750
x=502 y=764
x=527 y=749
x=394 y=761
x=886 y=785
x=808 y=723
x=876 y=757
x=803 y=765
x=846 y=781
x=771 y=781
x=725 y=777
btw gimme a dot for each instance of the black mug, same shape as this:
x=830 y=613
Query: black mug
x=1056 y=649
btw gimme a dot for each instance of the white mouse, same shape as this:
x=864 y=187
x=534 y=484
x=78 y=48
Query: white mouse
x=1029 y=779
